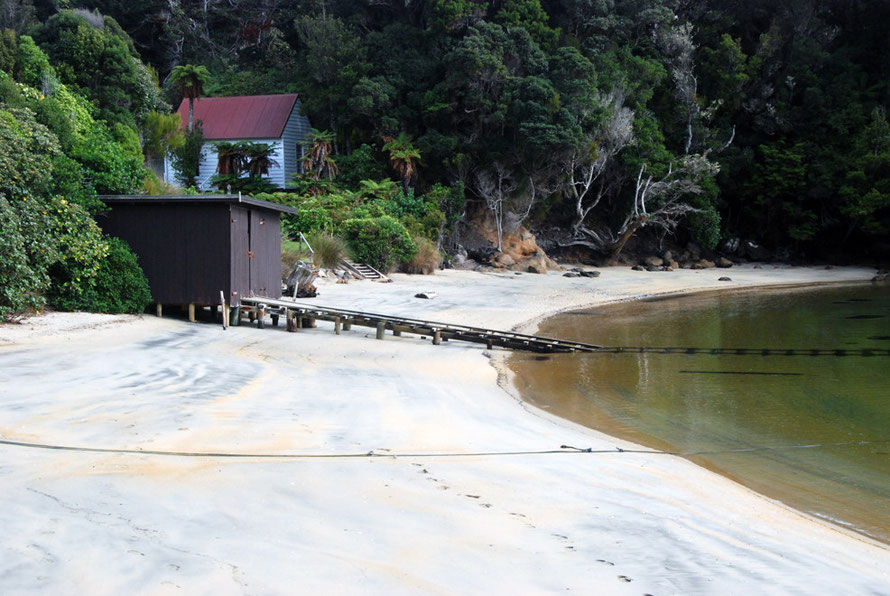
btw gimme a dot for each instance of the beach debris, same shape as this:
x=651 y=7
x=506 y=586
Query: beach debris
x=426 y=295
x=300 y=281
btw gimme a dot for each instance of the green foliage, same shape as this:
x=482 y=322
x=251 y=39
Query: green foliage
x=32 y=64
x=359 y=165
x=8 y=51
x=529 y=15
x=117 y=286
x=162 y=133
x=329 y=250
x=186 y=158
x=22 y=281
x=108 y=166
x=94 y=55
x=74 y=274
x=382 y=242
x=427 y=259
x=190 y=80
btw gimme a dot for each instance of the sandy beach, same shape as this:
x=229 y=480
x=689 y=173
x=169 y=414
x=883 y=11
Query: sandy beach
x=344 y=464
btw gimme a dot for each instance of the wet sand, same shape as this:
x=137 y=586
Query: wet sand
x=463 y=492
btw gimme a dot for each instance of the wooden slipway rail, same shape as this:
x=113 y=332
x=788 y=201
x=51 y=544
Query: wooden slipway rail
x=303 y=315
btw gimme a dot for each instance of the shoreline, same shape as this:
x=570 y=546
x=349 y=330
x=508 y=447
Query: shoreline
x=507 y=376
x=545 y=521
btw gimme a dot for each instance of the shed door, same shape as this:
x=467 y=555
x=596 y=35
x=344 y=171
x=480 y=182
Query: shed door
x=240 y=258
x=265 y=253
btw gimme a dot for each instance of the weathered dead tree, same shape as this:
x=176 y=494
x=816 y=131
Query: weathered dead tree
x=300 y=281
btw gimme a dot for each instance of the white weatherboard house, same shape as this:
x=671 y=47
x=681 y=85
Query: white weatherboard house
x=271 y=119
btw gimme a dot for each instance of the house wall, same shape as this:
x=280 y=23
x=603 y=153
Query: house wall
x=288 y=154
x=296 y=130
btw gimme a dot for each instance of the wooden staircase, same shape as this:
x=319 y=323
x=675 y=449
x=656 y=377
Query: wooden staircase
x=363 y=270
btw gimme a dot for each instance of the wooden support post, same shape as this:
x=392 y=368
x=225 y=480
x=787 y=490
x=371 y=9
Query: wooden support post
x=437 y=337
x=275 y=320
x=223 y=309
x=289 y=321
x=251 y=315
x=347 y=324
x=191 y=312
x=336 y=325
x=261 y=316
x=160 y=310
x=396 y=332
x=488 y=343
x=381 y=327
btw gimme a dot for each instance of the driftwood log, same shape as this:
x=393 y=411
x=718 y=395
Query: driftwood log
x=300 y=281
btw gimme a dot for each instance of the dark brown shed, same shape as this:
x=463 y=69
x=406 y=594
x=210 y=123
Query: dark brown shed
x=191 y=247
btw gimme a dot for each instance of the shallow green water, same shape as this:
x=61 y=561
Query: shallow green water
x=819 y=427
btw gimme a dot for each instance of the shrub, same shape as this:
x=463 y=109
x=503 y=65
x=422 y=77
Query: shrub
x=382 y=242
x=329 y=250
x=119 y=285
x=21 y=286
x=427 y=259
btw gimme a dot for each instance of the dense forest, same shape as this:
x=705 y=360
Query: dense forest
x=596 y=124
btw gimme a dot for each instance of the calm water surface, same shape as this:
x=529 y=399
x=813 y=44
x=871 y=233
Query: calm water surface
x=819 y=427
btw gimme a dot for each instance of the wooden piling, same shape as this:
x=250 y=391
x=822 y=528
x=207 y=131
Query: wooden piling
x=347 y=324
x=396 y=332
x=275 y=320
x=437 y=337
x=160 y=310
x=192 y=312
x=337 y=325
x=289 y=321
x=261 y=316
x=381 y=327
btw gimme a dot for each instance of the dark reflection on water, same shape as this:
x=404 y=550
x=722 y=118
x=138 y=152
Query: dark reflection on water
x=727 y=405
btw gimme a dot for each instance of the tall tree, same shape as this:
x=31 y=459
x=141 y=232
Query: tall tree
x=190 y=80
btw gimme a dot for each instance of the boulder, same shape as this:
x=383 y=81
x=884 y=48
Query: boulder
x=694 y=250
x=504 y=260
x=755 y=252
x=731 y=246
x=724 y=263
x=589 y=274
x=653 y=261
x=706 y=264
x=638 y=268
x=724 y=279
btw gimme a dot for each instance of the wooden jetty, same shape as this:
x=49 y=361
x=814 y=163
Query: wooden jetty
x=299 y=316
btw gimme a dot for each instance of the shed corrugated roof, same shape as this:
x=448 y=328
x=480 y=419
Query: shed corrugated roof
x=241 y=117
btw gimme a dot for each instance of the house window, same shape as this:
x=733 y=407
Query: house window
x=301 y=153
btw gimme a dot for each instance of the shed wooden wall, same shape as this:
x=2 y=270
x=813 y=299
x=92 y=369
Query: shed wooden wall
x=184 y=249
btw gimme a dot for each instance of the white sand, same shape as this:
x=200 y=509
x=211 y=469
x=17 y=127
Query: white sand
x=111 y=523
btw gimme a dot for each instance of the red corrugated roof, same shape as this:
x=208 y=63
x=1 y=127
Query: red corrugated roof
x=241 y=117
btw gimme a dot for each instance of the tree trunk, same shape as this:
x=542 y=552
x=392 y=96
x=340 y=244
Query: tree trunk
x=191 y=115
x=631 y=230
